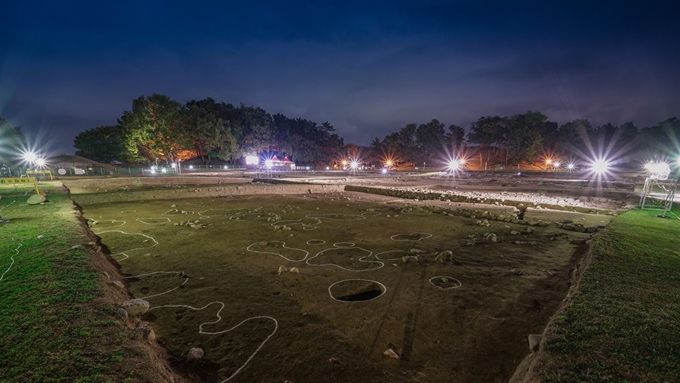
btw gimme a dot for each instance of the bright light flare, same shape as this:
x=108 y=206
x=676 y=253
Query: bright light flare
x=384 y=171
x=570 y=166
x=389 y=163
x=600 y=166
x=252 y=160
x=354 y=165
x=658 y=170
x=268 y=164
x=30 y=157
x=548 y=161
x=557 y=164
x=454 y=165
x=40 y=162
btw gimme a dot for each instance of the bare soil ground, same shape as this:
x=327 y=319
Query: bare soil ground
x=216 y=284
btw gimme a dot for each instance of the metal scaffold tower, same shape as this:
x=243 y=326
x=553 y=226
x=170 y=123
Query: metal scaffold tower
x=658 y=194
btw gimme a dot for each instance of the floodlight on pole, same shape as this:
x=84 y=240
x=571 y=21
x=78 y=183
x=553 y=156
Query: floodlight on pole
x=40 y=162
x=570 y=166
x=454 y=165
x=354 y=165
x=600 y=166
x=30 y=157
x=557 y=164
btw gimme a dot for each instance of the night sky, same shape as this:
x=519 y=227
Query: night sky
x=367 y=67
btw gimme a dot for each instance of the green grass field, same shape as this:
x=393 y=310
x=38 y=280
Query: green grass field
x=54 y=326
x=623 y=324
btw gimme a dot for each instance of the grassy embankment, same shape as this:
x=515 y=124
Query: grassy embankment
x=54 y=324
x=623 y=323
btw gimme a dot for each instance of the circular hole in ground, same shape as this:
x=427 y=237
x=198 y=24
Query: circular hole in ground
x=444 y=282
x=356 y=290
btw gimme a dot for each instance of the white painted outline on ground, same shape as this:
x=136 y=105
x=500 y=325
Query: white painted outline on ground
x=305 y=226
x=446 y=288
x=330 y=216
x=342 y=245
x=361 y=259
x=317 y=242
x=364 y=280
x=178 y=211
x=159 y=272
x=427 y=235
x=12 y=263
x=155 y=243
x=394 y=251
x=265 y=243
x=232 y=212
x=158 y=223
x=219 y=318
x=106 y=220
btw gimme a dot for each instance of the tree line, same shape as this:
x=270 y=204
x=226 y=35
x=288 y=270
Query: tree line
x=159 y=128
x=528 y=138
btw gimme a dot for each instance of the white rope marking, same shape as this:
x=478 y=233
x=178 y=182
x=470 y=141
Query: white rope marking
x=305 y=226
x=337 y=216
x=283 y=244
x=8 y=205
x=11 y=264
x=343 y=244
x=361 y=259
x=142 y=220
x=219 y=318
x=155 y=243
x=393 y=251
x=405 y=237
x=177 y=212
x=98 y=223
x=370 y=214
x=384 y=290
x=128 y=211
x=316 y=242
x=227 y=212
x=159 y=272
x=448 y=278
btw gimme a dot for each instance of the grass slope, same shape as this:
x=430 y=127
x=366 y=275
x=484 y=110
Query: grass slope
x=54 y=326
x=623 y=324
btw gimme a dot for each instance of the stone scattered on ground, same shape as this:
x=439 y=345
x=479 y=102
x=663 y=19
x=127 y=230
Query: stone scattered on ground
x=295 y=270
x=195 y=353
x=196 y=224
x=534 y=341
x=136 y=307
x=122 y=313
x=391 y=353
x=282 y=269
x=444 y=256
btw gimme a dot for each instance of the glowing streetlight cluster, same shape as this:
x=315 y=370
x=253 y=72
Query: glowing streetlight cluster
x=658 y=170
x=600 y=166
x=456 y=164
x=33 y=159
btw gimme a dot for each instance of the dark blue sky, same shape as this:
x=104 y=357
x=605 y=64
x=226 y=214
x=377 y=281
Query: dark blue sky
x=367 y=67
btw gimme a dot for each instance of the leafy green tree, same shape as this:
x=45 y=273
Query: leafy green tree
x=487 y=133
x=431 y=141
x=12 y=141
x=456 y=137
x=155 y=128
x=103 y=144
x=254 y=130
x=660 y=140
x=571 y=137
x=210 y=127
x=522 y=139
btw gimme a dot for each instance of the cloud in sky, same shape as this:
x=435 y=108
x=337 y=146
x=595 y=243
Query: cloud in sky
x=367 y=67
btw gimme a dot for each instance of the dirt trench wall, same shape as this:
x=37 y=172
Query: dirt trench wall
x=91 y=185
x=200 y=192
